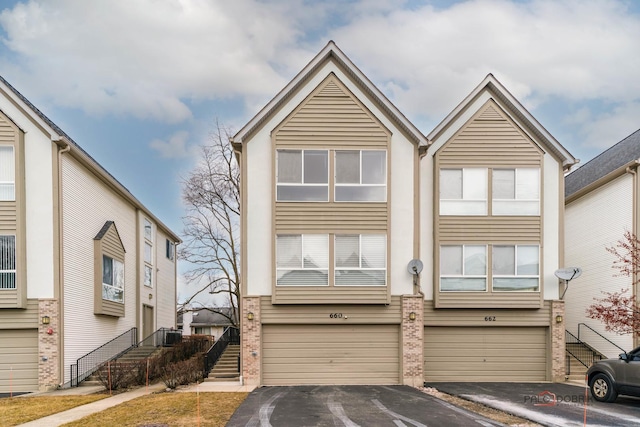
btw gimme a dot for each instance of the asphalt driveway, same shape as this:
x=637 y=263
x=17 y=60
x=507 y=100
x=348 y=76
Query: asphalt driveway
x=350 y=406
x=549 y=404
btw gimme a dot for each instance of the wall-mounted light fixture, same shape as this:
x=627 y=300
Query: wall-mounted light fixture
x=46 y=320
x=559 y=318
x=412 y=315
x=250 y=315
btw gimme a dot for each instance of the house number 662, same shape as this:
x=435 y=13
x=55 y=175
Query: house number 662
x=335 y=315
x=490 y=318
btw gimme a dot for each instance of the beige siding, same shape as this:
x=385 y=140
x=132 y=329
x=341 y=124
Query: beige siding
x=18 y=318
x=18 y=360
x=494 y=316
x=522 y=229
x=330 y=354
x=329 y=217
x=485 y=353
x=316 y=314
x=165 y=284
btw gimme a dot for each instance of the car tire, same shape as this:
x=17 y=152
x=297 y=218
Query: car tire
x=602 y=388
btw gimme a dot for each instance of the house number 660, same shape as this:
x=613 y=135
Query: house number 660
x=335 y=315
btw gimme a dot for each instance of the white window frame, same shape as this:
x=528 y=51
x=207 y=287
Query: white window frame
x=302 y=253
x=170 y=250
x=302 y=184
x=360 y=184
x=516 y=206
x=147 y=270
x=114 y=279
x=360 y=259
x=11 y=183
x=466 y=205
x=464 y=275
x=516 y=275
x=3 y=265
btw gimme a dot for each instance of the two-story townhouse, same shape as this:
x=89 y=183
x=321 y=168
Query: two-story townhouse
x=340 y=196
x=81 y=259
x=602 y=203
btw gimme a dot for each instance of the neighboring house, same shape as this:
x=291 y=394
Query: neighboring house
x=340 y=192
x=602 y=202
x=202 y=321
x=81 y=259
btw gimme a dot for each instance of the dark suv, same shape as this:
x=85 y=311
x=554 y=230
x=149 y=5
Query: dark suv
x=610 y=377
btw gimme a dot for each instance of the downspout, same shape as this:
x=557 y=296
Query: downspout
x=66 y=147
x=633 y=171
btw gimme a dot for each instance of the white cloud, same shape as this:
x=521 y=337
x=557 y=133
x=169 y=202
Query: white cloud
x=175 y=147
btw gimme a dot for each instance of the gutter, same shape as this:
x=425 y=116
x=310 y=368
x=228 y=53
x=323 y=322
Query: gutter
x=622 y=170
x=63 y=147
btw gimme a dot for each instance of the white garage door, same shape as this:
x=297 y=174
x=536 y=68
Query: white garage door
x=18 y=360
x=328 y=354
x=485 y=354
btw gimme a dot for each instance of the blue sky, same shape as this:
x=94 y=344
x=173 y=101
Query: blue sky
x=139 y=83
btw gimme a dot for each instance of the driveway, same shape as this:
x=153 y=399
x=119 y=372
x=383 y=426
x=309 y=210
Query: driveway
x=350 y=406
x=549 y=404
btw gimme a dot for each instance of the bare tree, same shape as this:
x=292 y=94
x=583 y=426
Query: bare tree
x=619 y=310
x=211 y=194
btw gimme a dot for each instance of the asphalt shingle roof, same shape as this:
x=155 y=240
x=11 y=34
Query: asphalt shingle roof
x=606 y=162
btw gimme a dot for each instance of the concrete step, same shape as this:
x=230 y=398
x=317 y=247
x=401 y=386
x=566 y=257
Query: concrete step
x=222 y=379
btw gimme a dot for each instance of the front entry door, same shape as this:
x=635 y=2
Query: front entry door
x=147 y=322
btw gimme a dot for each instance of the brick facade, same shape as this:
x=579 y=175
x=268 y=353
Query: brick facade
x=251 y=342
x=558 y=370
x=413 y=340
x=48 y=345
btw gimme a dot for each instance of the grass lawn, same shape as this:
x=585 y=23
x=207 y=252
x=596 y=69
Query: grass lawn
x=18 y=410
x=173 y=409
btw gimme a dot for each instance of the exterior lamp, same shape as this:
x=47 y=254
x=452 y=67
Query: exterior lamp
x=412 y=315
x=559 y=318
x=250 y=315
x=46 y=320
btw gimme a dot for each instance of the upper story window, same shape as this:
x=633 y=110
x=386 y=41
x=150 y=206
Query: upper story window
x=360 y=259
x=148 y=253
x=302 y=259
x=7 y=173
x=516 y=191
x=361 y=176
x=516 y=268
x=148 y=230
x=302 y=175
x=170 y=249
x=463 y=268
x=463 y=191
x=112 y=279
x=7 y=262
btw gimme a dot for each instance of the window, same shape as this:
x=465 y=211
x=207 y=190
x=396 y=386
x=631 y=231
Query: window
x=148 y=230
x=302 y=260
x=516 y=191
x=148 y=253
x=463 y=191
x=516 y=268
x=148 y=250
x=361 y=176
x=170 y=249
x=7 y=174
x=7 y=262
x=360 y=259
x=463 y=268
x=302 y=175
x=112 y=279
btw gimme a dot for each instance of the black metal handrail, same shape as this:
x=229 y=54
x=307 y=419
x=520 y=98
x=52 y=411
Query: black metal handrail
x=163 y=337
x=580 y=351
x=600 y=335
x=231 y=335
x=90 y=362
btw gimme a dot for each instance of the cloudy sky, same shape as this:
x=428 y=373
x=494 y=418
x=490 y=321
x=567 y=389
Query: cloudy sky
x=139 y=83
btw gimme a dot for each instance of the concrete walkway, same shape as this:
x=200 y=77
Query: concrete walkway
x=90 y=408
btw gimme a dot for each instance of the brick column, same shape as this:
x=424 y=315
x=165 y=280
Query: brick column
x=413 y=341
x=558 y=370
x=48 y=345
x=251 y=338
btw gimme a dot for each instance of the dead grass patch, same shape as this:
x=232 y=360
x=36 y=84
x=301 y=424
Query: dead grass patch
x=173 y=409
x=19 y=410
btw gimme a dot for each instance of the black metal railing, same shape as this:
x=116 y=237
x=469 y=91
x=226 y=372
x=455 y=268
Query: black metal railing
x=231 y=335
x=579 y=351
x=90 y=362
x=163 y=337
x=603 y=340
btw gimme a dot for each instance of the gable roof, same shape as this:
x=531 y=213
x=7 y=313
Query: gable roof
x=59 y=137
x=531 y=125
x=103 y=231
x=206 y=317
x=622 y=155
x=330 y=52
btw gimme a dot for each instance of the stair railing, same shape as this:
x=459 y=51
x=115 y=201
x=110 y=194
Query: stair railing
x=580 y=351
x=231 y=335
x=163 y=337
x=90 y=362
x=602 y=337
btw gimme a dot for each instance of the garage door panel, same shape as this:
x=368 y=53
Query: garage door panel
x=18 y=360
x=330 y=354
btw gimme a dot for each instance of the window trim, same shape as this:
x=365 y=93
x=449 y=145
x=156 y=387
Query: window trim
x=359 y=184
x=302 y=267
x=485 y=200
x=170 y=249
x=113 y=278
x=13 y=182
x=302 y=183
x=359 y=268
x=515 y=199
x=15 y=265
x=516 y=275
x=463 y=275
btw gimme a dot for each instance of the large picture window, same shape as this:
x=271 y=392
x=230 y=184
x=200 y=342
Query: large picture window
x=516 y=191
x=112 y=279
x=302 y=260
x=463 y=191
x=516 y=268
x=7 y=174
x=302 y=175
x=360 y=260
x=361 y=176
x=7 y=262
x=463 y=268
